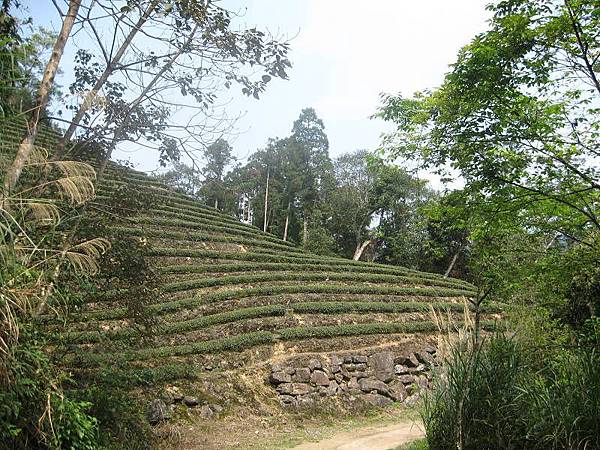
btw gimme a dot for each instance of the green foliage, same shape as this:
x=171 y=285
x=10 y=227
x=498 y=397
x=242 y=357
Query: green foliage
x=35 y=411
x=517 y=117
x=381 y=273
x=217 y=156
x=300 y=259
x=177 y=305
x=330 y=331
x=121 y=418
x=504 y=394
x=232 y=343
x=209 y=225
x=198 y=236
x=292 y=276
x=242 y=342
x=316 y=307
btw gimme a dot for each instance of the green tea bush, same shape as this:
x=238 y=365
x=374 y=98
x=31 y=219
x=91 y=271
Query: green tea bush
x=297 y=276
x=177 y=305
x=266 y=255
x=209 y=225
x=317 y=307
x=197 y=236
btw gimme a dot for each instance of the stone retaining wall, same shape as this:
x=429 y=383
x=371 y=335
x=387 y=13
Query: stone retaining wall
x=377 y=377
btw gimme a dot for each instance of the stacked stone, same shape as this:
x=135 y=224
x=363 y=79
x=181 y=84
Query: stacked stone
x=378 y=378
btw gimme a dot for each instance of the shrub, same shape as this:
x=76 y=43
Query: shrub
x=35 y=412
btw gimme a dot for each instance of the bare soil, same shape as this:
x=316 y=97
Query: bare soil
x=383 y=429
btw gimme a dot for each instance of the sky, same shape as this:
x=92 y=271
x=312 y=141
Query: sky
x=345 y=53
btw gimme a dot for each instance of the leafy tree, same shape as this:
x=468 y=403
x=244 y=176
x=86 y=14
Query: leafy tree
x=217 y=156
x=308 y=133
x=183 y=178
x=132 y=86
x=447 y=242
x=353 y=203
x=400 y=230
x=517 y=116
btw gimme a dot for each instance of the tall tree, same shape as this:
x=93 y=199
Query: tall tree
x=217 y=156
x=26 y=146
x=518 y=117
x=136 y=86
x=308 y=132
x=353 y=203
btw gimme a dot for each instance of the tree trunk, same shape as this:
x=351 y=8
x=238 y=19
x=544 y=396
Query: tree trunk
x=360 y=248
x=216 y=203
x=305 y=232
x=287 y=221
x=26 y=145
x=110 y=68
x=266 y=203
x=451 y=265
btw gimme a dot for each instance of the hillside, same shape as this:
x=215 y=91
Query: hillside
x=232 y=296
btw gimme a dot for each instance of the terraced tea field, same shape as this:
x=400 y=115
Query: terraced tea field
x=233 y=294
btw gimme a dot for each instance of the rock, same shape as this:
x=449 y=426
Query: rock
x=347 y=359
x=399 y=369
x=383 y=366
x=319 y=378
x=335 y=360
x=406 y=379
x=158 y=411
x=289 y=370
x=302 y=375
x=314 y=364
x=351 y=374
x=424 y=357
x=339 y=378
x=285 y=388
x=206 y=412
x=218 y=409
x=377 y=400
x=419 y=369
x=353 y=385
x=280 y=377
x=412 y=361
x=174 y=394
x=190 y=401
x=370 y=385
x=335 y=364
x=397 y=391
x=359 y=359
x=298 y=389
x=412 y=400
x=423 y=382
x=430 y=349
x=287 y=399
x=332 y=389
x=361 y=366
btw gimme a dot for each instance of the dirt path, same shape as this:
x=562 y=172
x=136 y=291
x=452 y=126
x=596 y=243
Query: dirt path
x=371 y=438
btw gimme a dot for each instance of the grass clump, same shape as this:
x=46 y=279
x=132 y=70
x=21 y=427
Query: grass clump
x=506 y=393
